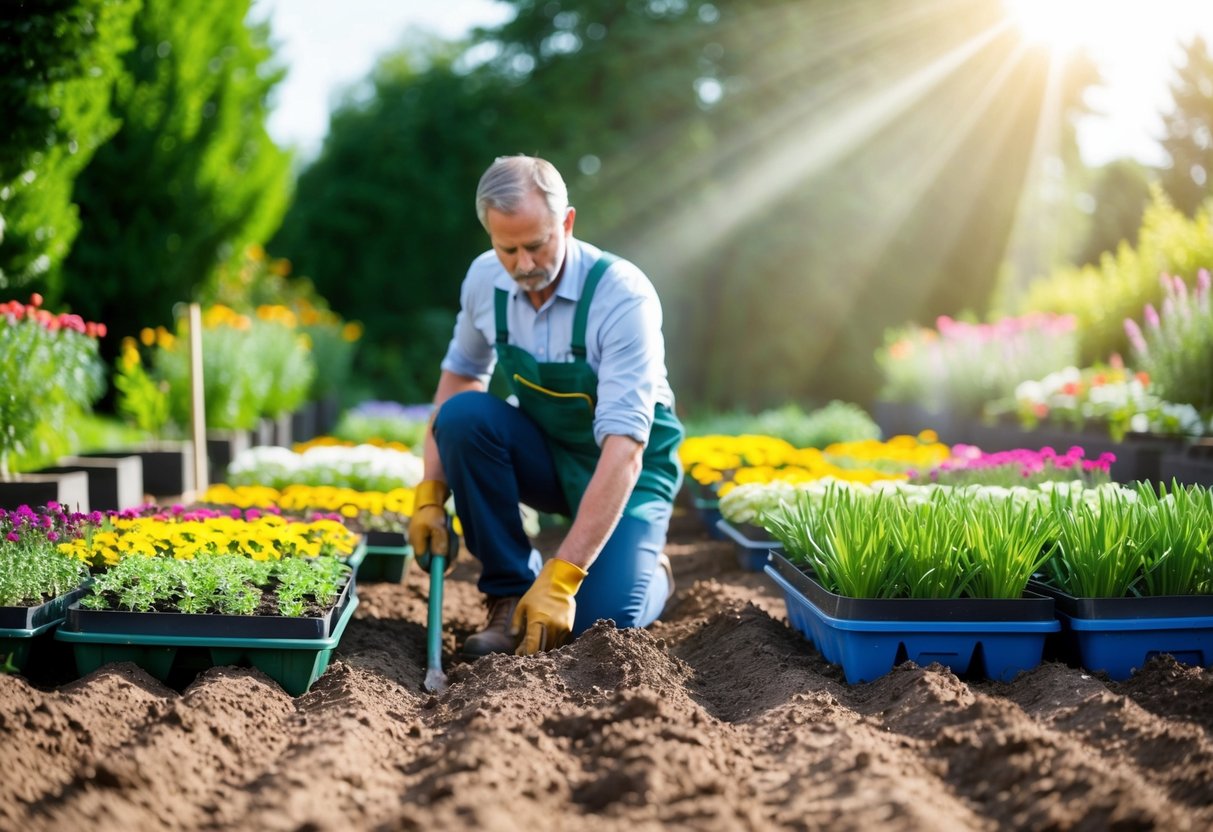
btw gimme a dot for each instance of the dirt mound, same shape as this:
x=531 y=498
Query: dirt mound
x=719 y=717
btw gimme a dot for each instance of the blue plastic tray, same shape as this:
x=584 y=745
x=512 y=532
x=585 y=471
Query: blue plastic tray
x=709 y=515
x=998 y=648
x=751 y=553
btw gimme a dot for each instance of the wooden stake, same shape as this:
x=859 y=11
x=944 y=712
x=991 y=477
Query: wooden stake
x=197 y=402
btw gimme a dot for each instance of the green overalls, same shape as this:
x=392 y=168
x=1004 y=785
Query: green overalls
x=561 y=397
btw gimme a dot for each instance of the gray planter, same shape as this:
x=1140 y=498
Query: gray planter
x=168 y=466
x=114 y=483
x=70 y=489
x=222 y=446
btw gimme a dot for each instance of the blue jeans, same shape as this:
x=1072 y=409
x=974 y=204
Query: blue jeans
x=496 y=457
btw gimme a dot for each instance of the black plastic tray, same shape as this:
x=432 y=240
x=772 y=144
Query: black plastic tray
x=32 y=618
x=1157 y=606
x=1031 y=607
x=206 y=625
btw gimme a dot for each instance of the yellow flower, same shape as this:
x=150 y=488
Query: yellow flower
x=352 y=331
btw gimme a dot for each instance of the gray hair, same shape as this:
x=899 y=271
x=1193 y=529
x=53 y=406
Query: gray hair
x=510 y=179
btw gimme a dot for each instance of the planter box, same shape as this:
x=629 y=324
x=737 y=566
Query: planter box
x=168 y=467
x=752 y=544
x=294 y=663
x=328 y=411
x=114 y=483
x=222 y=446
x=1119 y=635
x=23 y=630
x=386 y=557
x=203 y=625
x=898 y=418
x=303 y=422
x=1192 y=465
x=994 y=638
x=34 y=490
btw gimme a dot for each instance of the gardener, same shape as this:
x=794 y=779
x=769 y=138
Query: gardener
x=576 y=335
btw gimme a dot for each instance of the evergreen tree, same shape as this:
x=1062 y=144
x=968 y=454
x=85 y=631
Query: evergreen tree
x=190 y=177
x=1188 y=130
x=58 y=63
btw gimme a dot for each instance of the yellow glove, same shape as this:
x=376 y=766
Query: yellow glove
x=547 y=608
x=427 y=526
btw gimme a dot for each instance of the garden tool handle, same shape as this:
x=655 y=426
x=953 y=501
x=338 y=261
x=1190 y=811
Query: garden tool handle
x=435 y=678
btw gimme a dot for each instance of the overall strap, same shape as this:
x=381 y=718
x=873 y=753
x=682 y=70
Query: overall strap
x=583 y=305
x=502 y=301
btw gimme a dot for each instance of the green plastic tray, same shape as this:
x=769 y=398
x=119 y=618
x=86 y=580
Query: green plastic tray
x=293 y=663
x=385 y=563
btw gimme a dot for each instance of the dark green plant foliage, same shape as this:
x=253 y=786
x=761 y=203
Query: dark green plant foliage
x=1121 y=192
x=191 y=176
x=1188 y=129
x=788 y=301
x=226 y=584
x=58 y=63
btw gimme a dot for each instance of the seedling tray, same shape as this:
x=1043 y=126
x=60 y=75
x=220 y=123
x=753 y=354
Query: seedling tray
x=752 y=544
x=386 y=557
x=207 y=625
x=22 y=628
x=294 y=663
x=1119 y=635
x=994 y=638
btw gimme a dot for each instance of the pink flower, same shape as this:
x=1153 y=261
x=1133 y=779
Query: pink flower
x=52 y=536
x=1151 y=316
x=14 y=537
x=1136 y=339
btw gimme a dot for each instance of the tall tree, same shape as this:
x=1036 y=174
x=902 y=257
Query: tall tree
x=1188 y=129
x=1119 y=196
x=190 y=177
x=58 y=63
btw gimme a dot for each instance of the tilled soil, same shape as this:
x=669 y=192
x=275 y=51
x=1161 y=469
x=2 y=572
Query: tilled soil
x=717 y=717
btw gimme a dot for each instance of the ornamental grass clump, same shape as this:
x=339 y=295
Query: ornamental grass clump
x=215 y=584
x=916 y=542
x=1134 y=542
x=1176 y=346
x=32 y=569
x=50 y=374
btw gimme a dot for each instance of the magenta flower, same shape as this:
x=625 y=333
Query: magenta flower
x=52 y=536
x=14 y=537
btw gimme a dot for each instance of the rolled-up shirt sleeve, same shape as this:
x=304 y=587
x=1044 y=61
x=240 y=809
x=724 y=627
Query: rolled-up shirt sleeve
x=632 y=362
x=470 y=353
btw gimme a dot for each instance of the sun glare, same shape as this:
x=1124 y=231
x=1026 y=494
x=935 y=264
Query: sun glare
x=1065 y=25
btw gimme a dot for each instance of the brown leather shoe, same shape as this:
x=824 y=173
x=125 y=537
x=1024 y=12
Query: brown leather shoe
x=495 y=637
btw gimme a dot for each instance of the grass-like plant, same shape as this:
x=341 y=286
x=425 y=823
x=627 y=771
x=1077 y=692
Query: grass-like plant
x=1179 y=558
x=1007 y=541
x=32 y=570
x=1100 y=544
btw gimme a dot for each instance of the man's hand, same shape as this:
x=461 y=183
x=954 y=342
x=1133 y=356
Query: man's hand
x=427 y=526
x=545 y=613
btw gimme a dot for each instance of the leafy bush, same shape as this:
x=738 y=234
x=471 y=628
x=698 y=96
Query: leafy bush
x=385 y=421
x=1103 y=296
x=50 y=373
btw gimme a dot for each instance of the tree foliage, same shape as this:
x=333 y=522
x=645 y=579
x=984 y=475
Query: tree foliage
x=793 y=176
x=190 y=177
x=58 y=63
x=1188 y=129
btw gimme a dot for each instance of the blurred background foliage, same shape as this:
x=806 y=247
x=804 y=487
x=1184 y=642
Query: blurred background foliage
x=795 y=177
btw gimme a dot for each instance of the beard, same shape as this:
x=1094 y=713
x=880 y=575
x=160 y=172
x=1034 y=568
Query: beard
x=535 y=280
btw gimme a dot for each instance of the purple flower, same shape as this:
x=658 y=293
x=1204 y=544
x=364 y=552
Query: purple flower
x=14 y=537
x=52 y=536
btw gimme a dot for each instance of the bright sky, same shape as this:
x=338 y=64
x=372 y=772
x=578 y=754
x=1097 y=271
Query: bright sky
x=329 y=45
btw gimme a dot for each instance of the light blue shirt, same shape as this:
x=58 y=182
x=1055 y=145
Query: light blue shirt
x=623 y=340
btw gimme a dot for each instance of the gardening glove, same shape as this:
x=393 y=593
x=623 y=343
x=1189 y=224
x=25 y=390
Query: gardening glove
x=427 y=527
x=546 y=610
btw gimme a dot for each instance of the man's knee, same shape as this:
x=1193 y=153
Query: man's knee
x=460 y=414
